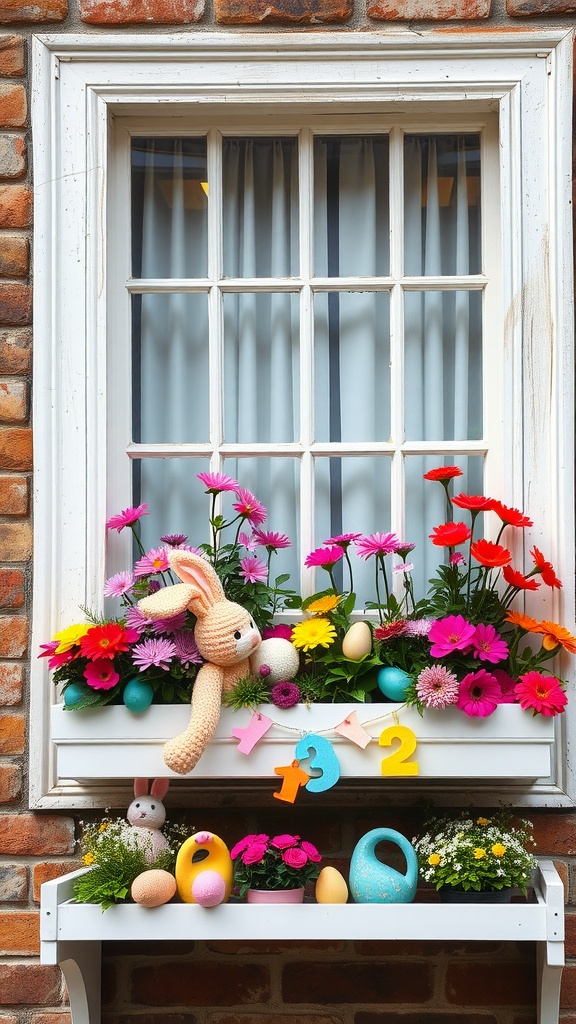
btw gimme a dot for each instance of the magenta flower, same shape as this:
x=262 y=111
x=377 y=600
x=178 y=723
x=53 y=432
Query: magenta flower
x=451 y=634
x=285 y=694
x=404 y=548
x=506 y=684
x=243 y=844
x=284 y=841
x=127 y=517
x=156 y=652
x=248 y=541
x=457 y=558
x=174 y=540
x=343 y=540
x=100 y=674
x=118 y=585
x=255 y=853
x=185 y=648
x=254 y=570
x=377 y=544
x=249 y=507
x=403 y=567
x=169 y=625
x=271 y=540
x=479 y=694
x=488 y=645
x=295 y=858
x=155 y=560
x=136 y=619
x=281 y=630
x=56 y=660
x=324 y=557
x=311 y=851
x=437 y=687
x=216 y=482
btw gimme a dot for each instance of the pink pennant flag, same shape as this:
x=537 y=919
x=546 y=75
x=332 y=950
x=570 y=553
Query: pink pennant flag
x=351 y=730
x=257 y=728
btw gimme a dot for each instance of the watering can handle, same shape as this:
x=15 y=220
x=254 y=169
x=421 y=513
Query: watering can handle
x=379 y=835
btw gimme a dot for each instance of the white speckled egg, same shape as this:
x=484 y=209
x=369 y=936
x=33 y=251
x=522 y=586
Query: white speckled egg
x=357 y=642
x=280 y=657
x=153 y=888
x=331 y=886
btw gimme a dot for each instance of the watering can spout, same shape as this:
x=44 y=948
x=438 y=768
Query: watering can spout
x=371 y=881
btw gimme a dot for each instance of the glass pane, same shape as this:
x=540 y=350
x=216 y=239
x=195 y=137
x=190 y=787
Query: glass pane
x=261 y=368
x=443 y=366
x=352 y=366
x=442 y=204
x=176 y=499
x=169 y=208
x=260 y=215
x=170 y=393
x=352 y=496
x=351 y=206
x=426 y=508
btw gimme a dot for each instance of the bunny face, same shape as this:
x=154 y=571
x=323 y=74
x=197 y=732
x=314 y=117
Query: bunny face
x=226 y=635
x=146 y=812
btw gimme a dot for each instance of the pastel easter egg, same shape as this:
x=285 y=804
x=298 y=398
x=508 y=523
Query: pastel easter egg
x=153 y=888
x=393 y=682
x=331 y=886
x=74 y=693
x=357 y=641
x=279 y=657
x=137 y=695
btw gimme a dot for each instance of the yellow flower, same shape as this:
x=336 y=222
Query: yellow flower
x=434 y=859
x=479 y=853
x=324 y=604
x=482 y=821
x=313 y=633
x=88 y=858
x=104 y=826
x=71 y=636
x=498 y=850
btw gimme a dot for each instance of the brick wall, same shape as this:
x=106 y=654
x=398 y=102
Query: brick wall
x=216 y=983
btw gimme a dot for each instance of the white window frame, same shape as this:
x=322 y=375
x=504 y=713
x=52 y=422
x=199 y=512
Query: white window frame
x=83 y=83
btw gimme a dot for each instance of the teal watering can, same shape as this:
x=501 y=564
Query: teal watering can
x=373 y=882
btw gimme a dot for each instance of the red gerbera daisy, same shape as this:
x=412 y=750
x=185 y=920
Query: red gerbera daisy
x=545 y=569
x=518 y=580
x=442 y=473
x=489 y=554
x=511 y=516
x=106 y=641
x=474 y=502
x=448 y=535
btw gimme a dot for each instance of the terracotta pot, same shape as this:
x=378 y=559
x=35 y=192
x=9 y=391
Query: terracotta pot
x=275 y=895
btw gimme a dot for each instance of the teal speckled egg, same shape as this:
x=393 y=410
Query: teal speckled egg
x=74 y=693
x=137 y=695
x=393 y=682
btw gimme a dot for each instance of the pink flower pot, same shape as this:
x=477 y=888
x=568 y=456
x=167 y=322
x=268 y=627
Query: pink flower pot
x=275 y=895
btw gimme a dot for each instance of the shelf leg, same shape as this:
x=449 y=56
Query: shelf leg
x=549 y=979
x=81 y=965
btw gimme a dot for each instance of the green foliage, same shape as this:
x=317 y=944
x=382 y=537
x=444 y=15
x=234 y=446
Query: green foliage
x=247 y=693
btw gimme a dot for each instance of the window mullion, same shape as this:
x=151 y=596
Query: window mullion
x=397 y=510
x=215 y=311
x=307 y=465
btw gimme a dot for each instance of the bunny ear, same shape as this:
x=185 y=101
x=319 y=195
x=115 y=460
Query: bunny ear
x=140 y=787
x=159 y=788
x=196 y=571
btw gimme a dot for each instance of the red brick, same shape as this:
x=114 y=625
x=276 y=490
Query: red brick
x=15 y=350
x=19 y=932
x=141 y=12
x=14 y=256
x=353 y=982
x=57 y=1017
x=13 y=106
x=13 y=502
x=16 y=541
x=570 y=925
x=11 y=55
x=11 y=589
x=282 y=12
x=10 y=783
x=12 y=156
x=15 y=205
x=29 y=984
x=527 y=8
x=13 y=885
x=36 y=835
x=568 y=989
x=49 y=870
x=555 y=834
x=246 y=947
x=157 y=1018
x=14 y=398
x=200 y=984
x=11 y=679
x=12 y=734
x=13 y=636
x=8 y=1018
x=424 y=10
x=491 y=984
x=14 y=11
x=15 y=304
x=16 y=448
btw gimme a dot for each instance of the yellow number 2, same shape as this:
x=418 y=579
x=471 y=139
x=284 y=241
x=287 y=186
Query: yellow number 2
x=397 y=762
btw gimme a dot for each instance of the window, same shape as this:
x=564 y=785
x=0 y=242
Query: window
x=388 y=234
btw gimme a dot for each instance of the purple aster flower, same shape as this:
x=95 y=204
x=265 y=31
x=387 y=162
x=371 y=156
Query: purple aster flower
x=377 y=544
x=170 y=625
x=404 y=548
x=118 y=585
x=127 y=517
x=457 y=558
x=155 y=560
x=156 y=652
x=418 y=627
x=174 y=540
x=135 y=619
x=216 y=482
x=253 y=569
x=185 y=648
x=285 y=694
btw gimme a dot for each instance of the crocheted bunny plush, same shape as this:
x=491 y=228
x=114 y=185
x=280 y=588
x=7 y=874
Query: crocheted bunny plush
x=146 y=814
x=225 y=636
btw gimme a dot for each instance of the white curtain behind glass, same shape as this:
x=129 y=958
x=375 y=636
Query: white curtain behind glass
x=261 y=336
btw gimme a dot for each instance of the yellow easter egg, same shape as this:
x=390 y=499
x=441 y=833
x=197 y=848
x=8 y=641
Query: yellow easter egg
x=357 y=642
x=204 y=860
x=331 y=886
x=153 y=888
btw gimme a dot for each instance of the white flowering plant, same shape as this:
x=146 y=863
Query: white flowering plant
x=474 y=852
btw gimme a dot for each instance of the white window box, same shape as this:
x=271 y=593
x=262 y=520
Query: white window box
x=114 y=743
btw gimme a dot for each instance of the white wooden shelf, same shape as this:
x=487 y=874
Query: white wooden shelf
x=72 y=933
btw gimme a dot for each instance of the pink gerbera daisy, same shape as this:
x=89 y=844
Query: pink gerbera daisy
x=248 y=541
x=56 y=660
x=127 y=517
x=479 y=694
x=101 y=674
x=437 y=687
x=454 y=633
x=216 y=482
x=324 y=557
x=377 y=544
x=157 y=652
x=271 y=540
x=249 y=507
x=155 y=560
x=253 y=569
x=119 y=584
x=343 y=540
x=488 y=645
x=541 y=694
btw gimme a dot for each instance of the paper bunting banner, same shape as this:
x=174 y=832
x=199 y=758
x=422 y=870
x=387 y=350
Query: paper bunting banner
x=351 y=730
x=249 y=736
